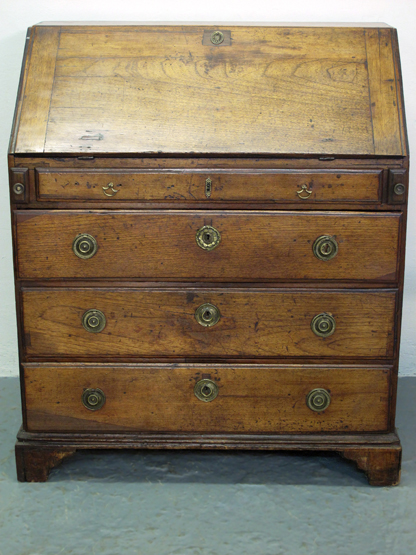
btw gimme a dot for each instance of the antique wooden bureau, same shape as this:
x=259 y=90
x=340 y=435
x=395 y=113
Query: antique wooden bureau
x=209 y=232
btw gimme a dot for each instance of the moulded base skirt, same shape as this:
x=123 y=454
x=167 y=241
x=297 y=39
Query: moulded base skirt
x=378 y=455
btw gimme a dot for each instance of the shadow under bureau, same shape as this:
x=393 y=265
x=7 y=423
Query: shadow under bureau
x=209 y=232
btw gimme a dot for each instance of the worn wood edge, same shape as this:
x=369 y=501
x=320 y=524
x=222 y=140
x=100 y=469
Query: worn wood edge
x=163 y=440
x=174 y=284
x=382 y=113
x=194 y=155
x=21 y=88
x=400 y=94
x=203 y=23
x=349 y=206
x=378 y=455
x=305 y=161
x=28 y=112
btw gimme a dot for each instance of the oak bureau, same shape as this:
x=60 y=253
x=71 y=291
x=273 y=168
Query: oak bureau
x=209 y=231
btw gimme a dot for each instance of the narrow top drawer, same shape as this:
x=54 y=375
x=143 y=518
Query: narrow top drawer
x=267 y=186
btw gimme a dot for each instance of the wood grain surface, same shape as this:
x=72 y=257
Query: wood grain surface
x=254 y=245
x=156 y=110
x=250 y=399
x=261 y=323
x=159 y=89
x=39 y=81
x=246 y=186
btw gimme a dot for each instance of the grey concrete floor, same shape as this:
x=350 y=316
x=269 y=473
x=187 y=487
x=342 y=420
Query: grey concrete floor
x=205 y=503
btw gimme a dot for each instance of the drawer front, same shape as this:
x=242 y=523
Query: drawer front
x=162 y=398
x=210 y=186
x=164 y=323
x=252 y=246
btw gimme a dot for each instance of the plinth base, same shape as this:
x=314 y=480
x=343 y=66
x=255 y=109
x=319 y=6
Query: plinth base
x=378 y=455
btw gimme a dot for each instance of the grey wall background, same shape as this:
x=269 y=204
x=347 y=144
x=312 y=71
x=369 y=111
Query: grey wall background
x=17 y=15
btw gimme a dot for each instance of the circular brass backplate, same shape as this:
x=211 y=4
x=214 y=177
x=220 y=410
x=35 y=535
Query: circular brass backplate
x=94 y=320
x=323 y=325
x=18 y=188
x=84 y=246
x=206 y=390
x=399 y=189
x=207 y=315
x=93 y=399
x=318 y=399
x=208 y=238
x=217 y=37
x=325 y=247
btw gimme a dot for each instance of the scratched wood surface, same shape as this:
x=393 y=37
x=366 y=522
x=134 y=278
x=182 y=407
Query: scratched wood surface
x=246 y=186
x=157 y=109
x=159 y=89
x=162 y=245
x=250 y=399
x=146 y=322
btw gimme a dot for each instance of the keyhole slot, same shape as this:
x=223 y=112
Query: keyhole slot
x=206 y=390
x=207 y=315
x=326 y=248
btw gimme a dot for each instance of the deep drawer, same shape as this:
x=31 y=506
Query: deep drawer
x=162 y=398
x=163 y=323
x=253 y=246
x=210 y=186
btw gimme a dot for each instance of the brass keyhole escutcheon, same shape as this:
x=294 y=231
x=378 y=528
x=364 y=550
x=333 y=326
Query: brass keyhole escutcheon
x=318 y=399
x=93 y=399
x=217 y=37
x=94 y=320
x=206 y=390
x=323 y=325
x=208 y=187
x=325 y=247
x=207 y=315
x=304 y=193
x=208 y=238
x=84 y=246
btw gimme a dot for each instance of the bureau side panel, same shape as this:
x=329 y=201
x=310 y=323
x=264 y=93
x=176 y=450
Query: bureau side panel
x=34 y=115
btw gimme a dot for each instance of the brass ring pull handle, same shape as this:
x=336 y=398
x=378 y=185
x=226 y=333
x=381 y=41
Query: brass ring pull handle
x=93 y=399
x=208 y=238
x=111 y=191
x=323 y=325
x=84 y=246
x=325 y=247
x=206 y=390
x=94 y=320
x=305 y=192
x=318 y=399
x=207 y=315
